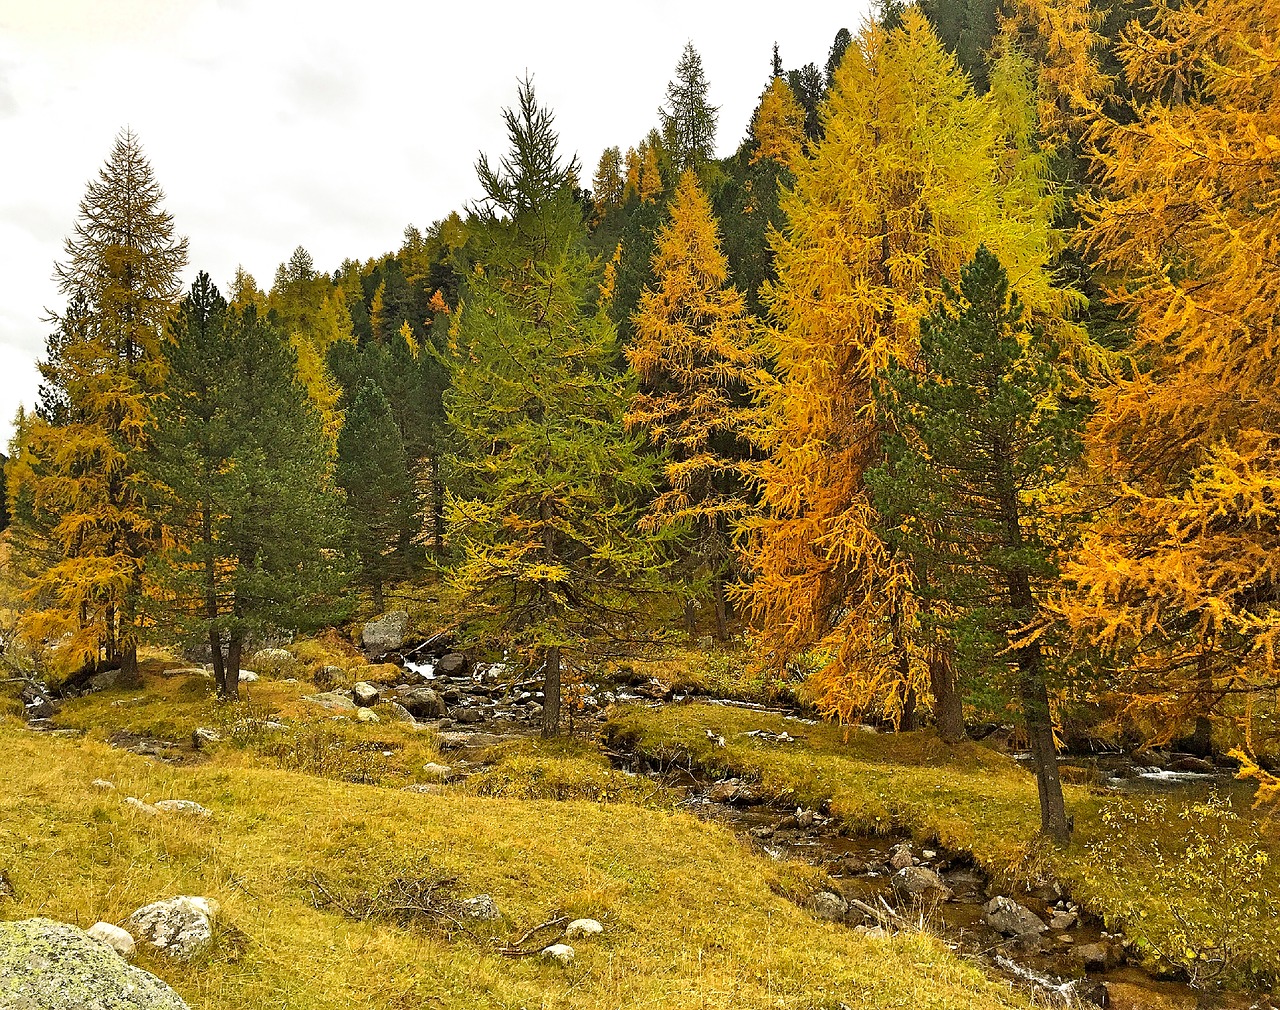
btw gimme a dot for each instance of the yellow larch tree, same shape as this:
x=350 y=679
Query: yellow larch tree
x=1179 y=577
x=650 y=173
x=692 y=352
x=609 y=182
x=908 y=180
x=778 y=126
x=631 y=182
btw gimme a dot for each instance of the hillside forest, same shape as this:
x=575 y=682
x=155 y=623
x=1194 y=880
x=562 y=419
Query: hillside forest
x=947 y=402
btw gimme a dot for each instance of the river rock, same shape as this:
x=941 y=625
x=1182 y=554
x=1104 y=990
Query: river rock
x=114 y=937
x=561 y=952
x=583 y=927
x=828 y=906
x=901 y=856
x=364 y=694
x=181 y=927
x=1011 y=919
x=423 y=703
x=332 y=700
x=183 y=807
x=47 y=965
x=1102 y=956
x=1063 y=920
x=481 y=907
x=367 y=715
x=919 y=882
x=386 y=633
x=1189 y=763
x=452 y=664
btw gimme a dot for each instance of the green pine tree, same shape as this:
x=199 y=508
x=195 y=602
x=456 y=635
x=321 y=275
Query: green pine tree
x=688 y=119
x=373 y=471
x=980 y=430
x=240 y=478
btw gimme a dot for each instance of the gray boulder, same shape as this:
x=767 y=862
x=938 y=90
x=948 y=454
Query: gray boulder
x=47 y=965
x=1102 y=956
x=396 y=712
x=901 y=856
x=423 y=703
x=481 y=907
x=181 y=927
x=183 y=807
x=364 y=694
x=332 y=700
x=828 y=906
x=386 y=633
x=1008 y=917
x=919 y=882
x=452 y=664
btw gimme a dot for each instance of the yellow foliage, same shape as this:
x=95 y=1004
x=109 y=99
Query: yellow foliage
x=778 y=125
x=650 y=175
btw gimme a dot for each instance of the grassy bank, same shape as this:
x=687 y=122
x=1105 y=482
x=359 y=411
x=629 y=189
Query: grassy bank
x=1196 y=885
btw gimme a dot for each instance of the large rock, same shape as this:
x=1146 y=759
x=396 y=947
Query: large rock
x=423 y=703
x=1102 y=956
x=190 y=807
x=481 y=907
x=47 y=965
x=828 y=906
x=901 y=856
x=332 y=700
x=1011 y=919
x=920 y=883
x=364 y=694
x=452 y=664
x=181 y=927
x=386 y=633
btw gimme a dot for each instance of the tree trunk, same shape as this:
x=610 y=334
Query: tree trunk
x=437 y=508
x=1201 y=742
x=690 y=618
x=551 y=693
x=908 y=721
x=127 y=636
x=1035 y=703
x=722 y=613
x=231 y=674
x=948 y=707
x=379 y=603
x=219 y=664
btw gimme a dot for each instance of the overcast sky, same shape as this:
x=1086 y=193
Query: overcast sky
x=332 y=126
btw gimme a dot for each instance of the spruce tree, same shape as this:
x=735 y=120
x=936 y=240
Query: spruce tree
x=688 y=119
x=373 y=471
x=82 y=494
x=979 y=432
x=239 y=474
x=551 y=552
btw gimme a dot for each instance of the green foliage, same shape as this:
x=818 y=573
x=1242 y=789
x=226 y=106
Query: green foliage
x=688 y=119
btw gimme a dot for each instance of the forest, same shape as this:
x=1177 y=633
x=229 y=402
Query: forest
x=943 y=413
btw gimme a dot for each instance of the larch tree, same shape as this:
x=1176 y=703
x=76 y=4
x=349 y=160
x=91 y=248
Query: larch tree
x=374 y=473
x=1178 y=579
x=778 y=126
x=238 y=471
x=649 y=185
x=905 y=184
x=609 y=183
x=692 y=352
x=688 y=119
x=551 y=553
x=979 y=431
x=120 y=277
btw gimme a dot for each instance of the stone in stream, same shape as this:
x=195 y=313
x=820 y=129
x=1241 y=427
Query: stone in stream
x=1063 y=920
x=1008 y=917
x=1101 y=956
x=452 y=664
x=901 y=856
x=423 y=703
x=47 y=965
x=180 y=927
x=919 y=883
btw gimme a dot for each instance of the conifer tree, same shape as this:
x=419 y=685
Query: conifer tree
x=979 y=430
x=1177 y=578
x=120 y=276
x=239 y=474
x=609 y=182
x=692 y=354
x=688 y=119
x=905 y=185
x=374 y=473
x=551 y=553
x=778 y=126
x=650 y=185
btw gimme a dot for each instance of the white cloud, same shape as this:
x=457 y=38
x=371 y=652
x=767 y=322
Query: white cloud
x=327 y=125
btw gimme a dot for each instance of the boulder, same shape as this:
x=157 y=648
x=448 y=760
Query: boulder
x=828 y=906
x=202 y=736
x=367 y=715
x=142 y=806
x=248 y=677
x=583 y=927
x=183 y=807
x=114 y=937
x=481 y=907
x=437 y=772
x=901 y=856
x=181 y=927
x=919 y=883
x=385 y=633
x=1063 y=920
x=469 y=715
x=332 y=700
x=36 y=702
x=396 y=712
x=364 y=694
x=47 y=965
x=423 y=703
x=452 y=664
x=1102 y=956
x=561 y=952
x=104 y=680
x=1190 y=763
x=1008 y=917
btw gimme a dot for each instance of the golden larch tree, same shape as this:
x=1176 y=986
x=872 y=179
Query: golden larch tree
x=778 y=125
x=692 y=352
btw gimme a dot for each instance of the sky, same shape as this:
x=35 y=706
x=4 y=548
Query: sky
x=275 y=124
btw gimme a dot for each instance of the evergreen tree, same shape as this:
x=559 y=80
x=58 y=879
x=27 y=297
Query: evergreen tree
x=979 y=431
x=688 y=119
x=239 y=474
x=609 y=182
x=692 y=353
x=82 y=494
x=550 y=549
x=374 y=473
x=838 y=48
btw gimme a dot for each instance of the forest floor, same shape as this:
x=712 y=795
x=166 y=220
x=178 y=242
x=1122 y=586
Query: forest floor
x=313 y=812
